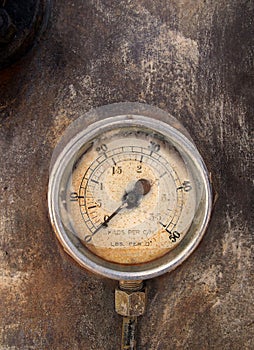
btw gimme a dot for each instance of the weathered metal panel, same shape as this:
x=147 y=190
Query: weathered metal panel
x=191 y=58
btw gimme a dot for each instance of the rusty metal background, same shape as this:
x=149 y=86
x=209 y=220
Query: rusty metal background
x=191 y=58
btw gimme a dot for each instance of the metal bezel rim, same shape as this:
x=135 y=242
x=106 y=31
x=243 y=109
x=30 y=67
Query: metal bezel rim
x=72 y=147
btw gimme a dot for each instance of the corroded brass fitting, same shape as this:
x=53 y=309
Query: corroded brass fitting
x=130 y=301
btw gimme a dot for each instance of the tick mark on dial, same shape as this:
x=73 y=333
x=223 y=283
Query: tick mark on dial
x=94 y=181
x=165 y=227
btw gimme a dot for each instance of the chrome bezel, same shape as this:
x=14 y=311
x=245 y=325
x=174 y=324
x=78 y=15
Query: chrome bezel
x=89 y=260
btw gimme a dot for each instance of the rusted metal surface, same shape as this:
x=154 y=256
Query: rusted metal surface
x=191 y=58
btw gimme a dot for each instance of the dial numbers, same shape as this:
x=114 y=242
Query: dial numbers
x=116 y=220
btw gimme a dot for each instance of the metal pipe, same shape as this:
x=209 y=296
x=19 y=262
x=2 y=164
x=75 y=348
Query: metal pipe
x=129 y=329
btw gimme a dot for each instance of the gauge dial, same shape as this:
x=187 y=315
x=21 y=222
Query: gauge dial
x=131 y=197
x=127 y=194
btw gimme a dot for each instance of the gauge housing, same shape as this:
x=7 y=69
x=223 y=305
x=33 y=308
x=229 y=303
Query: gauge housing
x=98 y=122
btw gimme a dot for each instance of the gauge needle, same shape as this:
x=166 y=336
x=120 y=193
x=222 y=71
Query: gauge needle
x=141 y=188
x=130 y=200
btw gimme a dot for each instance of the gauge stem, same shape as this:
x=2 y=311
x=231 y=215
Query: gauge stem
x=129 y=333
x=130 y=302
x=132 y=286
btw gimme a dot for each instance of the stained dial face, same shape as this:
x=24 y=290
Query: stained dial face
x=130 y=196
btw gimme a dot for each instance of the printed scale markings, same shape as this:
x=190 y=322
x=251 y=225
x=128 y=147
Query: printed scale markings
x=112 y=158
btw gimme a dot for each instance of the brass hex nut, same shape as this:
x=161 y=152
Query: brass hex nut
x=130 y=303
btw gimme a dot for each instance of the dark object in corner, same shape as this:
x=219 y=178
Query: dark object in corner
x=21 y=22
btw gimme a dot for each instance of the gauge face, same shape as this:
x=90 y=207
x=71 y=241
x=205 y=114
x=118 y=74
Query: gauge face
x=130 y=197
x=126 y=193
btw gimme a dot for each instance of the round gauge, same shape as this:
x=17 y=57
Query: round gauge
x=129 y=194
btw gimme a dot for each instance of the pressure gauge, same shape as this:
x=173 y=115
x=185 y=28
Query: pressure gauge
x=129 y=194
